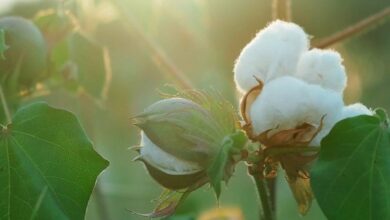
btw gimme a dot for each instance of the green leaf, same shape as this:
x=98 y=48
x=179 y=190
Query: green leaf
x=88 y=56
x=48 y=166
x=222 y=165
x=3 y=45
x=351 y=179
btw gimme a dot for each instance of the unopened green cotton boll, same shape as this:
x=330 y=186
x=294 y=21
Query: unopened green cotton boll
x=274 y=52
x=182 y=128
x=324 y=68
x=180 y=141
x=26 y=54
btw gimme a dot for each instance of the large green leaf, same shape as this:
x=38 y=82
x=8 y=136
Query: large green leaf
x=351 y=179
x=48 y=167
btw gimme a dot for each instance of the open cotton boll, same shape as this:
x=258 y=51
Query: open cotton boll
x=273 y=52
x=280 y=104
x=163 y=161
x=322 y=67
x=288 y=102
x=345 y=112
x=355 y=110
x=330 y=104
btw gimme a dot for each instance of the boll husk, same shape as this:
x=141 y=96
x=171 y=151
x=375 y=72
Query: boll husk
x=168 y=170
x=181 y=128
x=181 y=137
x=272 y=53
x=324 y=68
x=167 y=163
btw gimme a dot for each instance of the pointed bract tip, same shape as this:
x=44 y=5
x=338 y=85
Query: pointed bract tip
x=137 y=158
x=136 y=148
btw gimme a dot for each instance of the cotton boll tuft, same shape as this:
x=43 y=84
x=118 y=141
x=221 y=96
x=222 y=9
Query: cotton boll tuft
x=164 y=161
x=272 y=53
x=288 y=102
x=345 y=112
x=355 y=110
x=322 y=67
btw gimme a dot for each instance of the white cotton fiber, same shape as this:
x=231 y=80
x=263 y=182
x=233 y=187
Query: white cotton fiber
x=355 y=110
x=322 y=67
x=288 y=102
x=346 y=112
x=163 y=161
x=272 y=53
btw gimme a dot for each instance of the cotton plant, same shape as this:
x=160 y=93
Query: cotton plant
x=291 y=100
x=187 y=141
x=294 y=86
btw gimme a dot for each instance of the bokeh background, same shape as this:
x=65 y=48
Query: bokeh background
x=145 y=43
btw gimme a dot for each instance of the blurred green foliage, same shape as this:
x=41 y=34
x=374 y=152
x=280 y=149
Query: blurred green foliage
x=202 y=38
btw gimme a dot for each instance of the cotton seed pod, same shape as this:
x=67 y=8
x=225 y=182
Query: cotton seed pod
x=324 y=68
x=27 y=51
x=180 y=141
x=181 y=128
x=272 y=53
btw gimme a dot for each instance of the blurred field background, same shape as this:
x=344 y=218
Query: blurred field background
x=146 y=42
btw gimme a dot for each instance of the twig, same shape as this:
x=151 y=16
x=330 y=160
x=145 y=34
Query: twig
x=158 y=55
x=353 y=29
x=5 y=106
x=281 y=9
x=271 y=183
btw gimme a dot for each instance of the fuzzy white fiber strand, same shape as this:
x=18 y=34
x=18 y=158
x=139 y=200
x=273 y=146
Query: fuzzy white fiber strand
x=322 y=67
x=355 y=110
x=163 y=161
x=272 y=53
x=288 y=102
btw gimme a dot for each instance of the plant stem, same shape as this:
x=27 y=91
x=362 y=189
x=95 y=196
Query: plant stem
x=271 y=184
x=5 y=106
x=265 y=199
